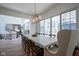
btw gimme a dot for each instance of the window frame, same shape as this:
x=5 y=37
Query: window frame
x=70 y=18
x=72 y=9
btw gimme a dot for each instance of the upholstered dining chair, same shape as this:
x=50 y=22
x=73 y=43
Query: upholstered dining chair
x=63 y=37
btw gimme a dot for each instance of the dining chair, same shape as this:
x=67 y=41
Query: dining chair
x=30 y=47
x=52 y=35
x=23 y=43
x=63 y=37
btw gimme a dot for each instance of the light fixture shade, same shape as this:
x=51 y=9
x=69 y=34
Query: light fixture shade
x=36 y=18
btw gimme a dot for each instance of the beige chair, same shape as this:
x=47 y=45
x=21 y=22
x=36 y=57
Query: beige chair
x=63 y=41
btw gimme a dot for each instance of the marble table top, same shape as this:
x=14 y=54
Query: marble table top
x=42 y=40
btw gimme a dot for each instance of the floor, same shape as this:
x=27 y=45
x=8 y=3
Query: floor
x=11 y=47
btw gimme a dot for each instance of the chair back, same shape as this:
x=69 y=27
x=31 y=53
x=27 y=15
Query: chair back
x=63 y=41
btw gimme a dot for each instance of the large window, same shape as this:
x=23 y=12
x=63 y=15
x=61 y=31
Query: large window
x=63 y=21
x=45 y=26
x=68 y=20
x=55 y=24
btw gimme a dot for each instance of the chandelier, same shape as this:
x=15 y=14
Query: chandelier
x=36 y=17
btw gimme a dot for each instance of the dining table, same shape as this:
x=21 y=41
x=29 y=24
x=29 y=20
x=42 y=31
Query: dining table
x=41 y=40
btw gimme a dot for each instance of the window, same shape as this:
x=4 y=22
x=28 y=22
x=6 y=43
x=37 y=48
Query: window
x=26 y=26
x=42 y=26
x=63 y=21
x=47 y=26
x=55 y=24
x=68 y=20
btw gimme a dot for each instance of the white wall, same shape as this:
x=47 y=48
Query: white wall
x=33 y=28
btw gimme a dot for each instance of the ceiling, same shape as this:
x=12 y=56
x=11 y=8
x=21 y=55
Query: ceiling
x=28 y=8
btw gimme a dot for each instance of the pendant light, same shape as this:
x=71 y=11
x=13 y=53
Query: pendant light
x=36 y=18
